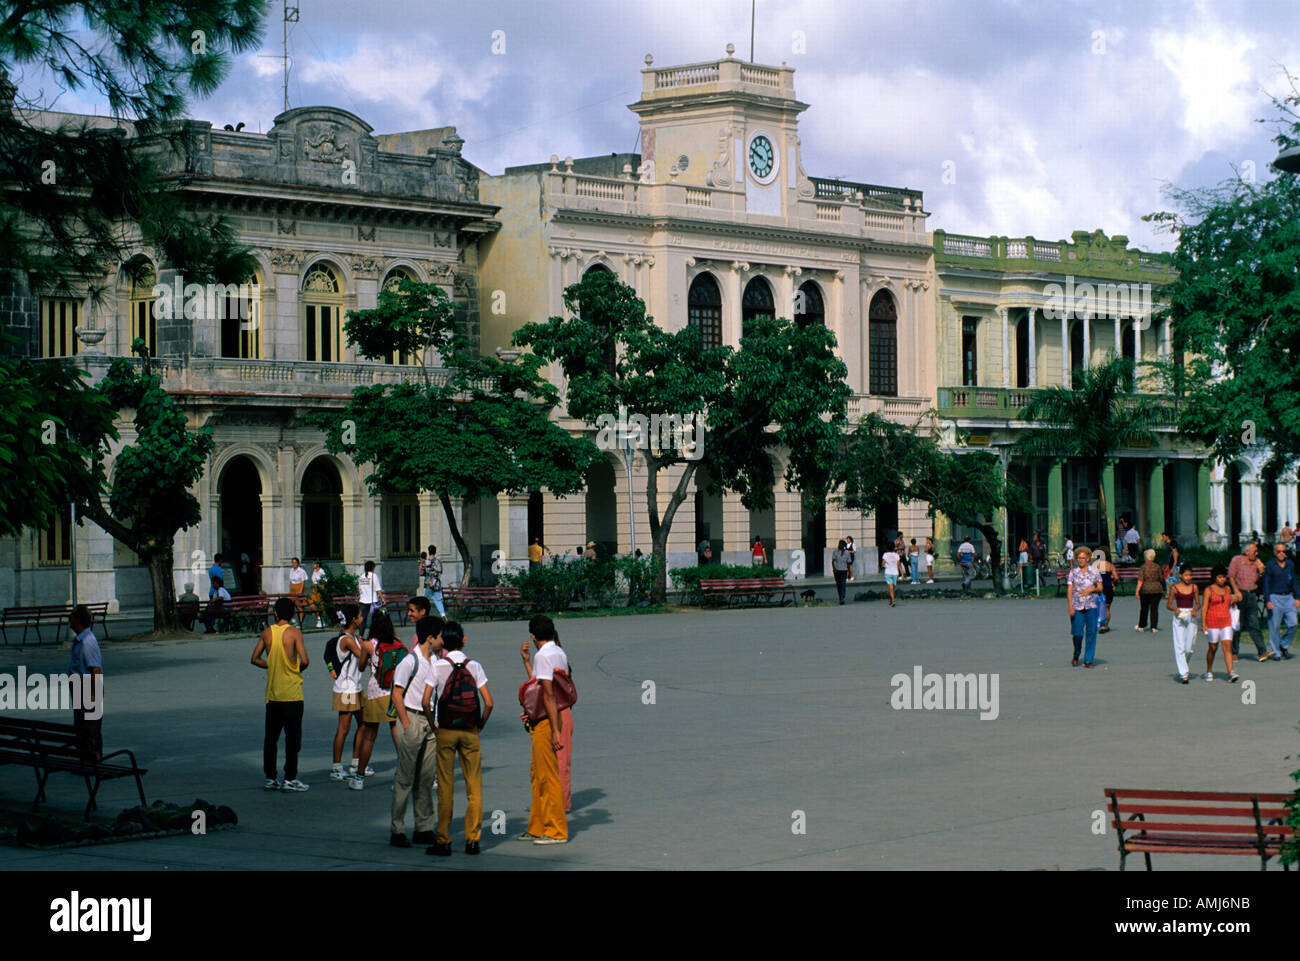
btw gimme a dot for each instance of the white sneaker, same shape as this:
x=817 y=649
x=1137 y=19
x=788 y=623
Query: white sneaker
x=929 y=582
x=336 y=774
x=271 y=784
x=294 y=785
x=1209 y=676
x=319 y=622
x=357 y=783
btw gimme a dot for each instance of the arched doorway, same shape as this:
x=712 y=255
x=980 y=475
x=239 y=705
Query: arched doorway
x=1232 y=503
x=239 y=516
x=322 y=512
x=812 y=526
x=1022 y=350
x=602 y=507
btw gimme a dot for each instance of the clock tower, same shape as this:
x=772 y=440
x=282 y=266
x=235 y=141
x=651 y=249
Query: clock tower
x=727 y=124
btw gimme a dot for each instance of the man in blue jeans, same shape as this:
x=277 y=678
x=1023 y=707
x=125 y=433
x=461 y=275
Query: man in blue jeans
x=1280 y=589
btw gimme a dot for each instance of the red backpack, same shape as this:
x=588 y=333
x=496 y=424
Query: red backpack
x=388 y=654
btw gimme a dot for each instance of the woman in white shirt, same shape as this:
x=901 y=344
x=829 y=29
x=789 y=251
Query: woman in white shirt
x=890 y=562
x=347 y=690
x=370 y=592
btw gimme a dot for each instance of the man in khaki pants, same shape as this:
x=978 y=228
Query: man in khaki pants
x=416 y=743
x=456 y=685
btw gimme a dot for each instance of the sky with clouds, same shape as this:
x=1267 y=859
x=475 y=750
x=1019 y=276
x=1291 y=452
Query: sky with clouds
x=1047 y=116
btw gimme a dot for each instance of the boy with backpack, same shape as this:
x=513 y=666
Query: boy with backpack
x=454 y=687
x=383 y=652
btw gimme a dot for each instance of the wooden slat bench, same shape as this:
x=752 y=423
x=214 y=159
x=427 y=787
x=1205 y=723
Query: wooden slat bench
x=465 y=600
x=47 y=747
x=752 y=589
x=1126 y=574
x=1198 y=822
x=49 y=614
x=246 y=612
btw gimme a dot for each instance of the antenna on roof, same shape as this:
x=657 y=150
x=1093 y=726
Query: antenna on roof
x=290 y=16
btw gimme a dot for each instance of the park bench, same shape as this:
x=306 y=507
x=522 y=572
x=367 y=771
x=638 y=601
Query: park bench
x=1198 y=822
x=754 y=590
x=48 y=615
x=47 y=747
x=241 y=613
x=1125 y=574
x=465 y=600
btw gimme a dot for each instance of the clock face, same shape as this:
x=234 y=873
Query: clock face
x=762 y=157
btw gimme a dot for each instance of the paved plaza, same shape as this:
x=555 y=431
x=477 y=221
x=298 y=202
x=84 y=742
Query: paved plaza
x=762 y=721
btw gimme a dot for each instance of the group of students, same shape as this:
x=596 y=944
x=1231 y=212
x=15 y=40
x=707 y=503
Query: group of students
x=436 y=702
x=1223 y=610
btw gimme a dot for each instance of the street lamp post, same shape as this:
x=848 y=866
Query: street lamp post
x=628 y=442
x=1288 y=160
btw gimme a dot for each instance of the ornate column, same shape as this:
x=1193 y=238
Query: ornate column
x=1216 y=521
x=1137 y=349
x=1033 y=349
x=731 y=307
x=1087 y=341
x=1065 y=353
x=1055 y=508
x=785 y=306
x=1006 y=350
x=1286 y=496
x=1108 y=486
x=1169 y=338
x=1119 y=338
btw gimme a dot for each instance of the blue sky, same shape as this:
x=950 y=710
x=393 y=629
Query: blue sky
x=1051 y=116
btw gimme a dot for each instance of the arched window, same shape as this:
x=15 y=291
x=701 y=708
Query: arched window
x=391 y=283
x=240 y=321
x=144 y=318
x=607 y=348
x=809 y=308
x=322 y=309
x=883 y=345
x=704 y=310
x=322 y=511
x=1022 y=351
x=756 y=303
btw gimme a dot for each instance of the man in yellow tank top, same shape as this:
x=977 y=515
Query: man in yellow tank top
x=284 y=661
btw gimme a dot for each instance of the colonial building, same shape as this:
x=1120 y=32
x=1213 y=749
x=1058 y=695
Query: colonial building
x=332 y=213
x=714 y=221
x=1019 y=314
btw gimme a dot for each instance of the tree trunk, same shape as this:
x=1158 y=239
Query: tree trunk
x=165 y=616
x=659 y=529
x=995 y=554
x=461 y=547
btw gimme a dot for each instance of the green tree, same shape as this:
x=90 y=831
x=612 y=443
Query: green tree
x=473 y=428
x=149 y=499
x=71 y=185
x=1234 y=305
x=1090 y=421
x=783 y=389
x=884 y=463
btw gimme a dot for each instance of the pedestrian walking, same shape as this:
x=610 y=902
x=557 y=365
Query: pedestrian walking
x=1216 y=620
x=1150 y=590
x=1244 y=573
x=841 y=562
x=370 y=592
x=929 y=560
x=914 y=561
x=317 y=598
x=431 y=574
x=853 y=556
x=1107 y=571
x=1281 y=588
x=758 y=553
x=86 y=665
x=1082 y=592
x=1182 y=600
x=282 y=653
x=966 y=557
x=889 y=564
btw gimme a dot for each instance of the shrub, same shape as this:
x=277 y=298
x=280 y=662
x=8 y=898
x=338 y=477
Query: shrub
x=556 y=585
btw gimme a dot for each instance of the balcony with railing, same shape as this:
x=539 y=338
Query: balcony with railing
x=1005 y=403
x=715 y=75
x=1085 y=254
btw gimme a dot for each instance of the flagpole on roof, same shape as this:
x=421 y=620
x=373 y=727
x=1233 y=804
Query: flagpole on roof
x=752 y=4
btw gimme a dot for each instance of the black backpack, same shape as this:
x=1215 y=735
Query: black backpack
x=458 y=707
x=331 y=655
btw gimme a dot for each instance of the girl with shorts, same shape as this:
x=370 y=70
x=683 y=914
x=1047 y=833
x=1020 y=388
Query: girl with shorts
x=377 y=707
x=347 y=693
x=1182 y=600
x=1216 y=620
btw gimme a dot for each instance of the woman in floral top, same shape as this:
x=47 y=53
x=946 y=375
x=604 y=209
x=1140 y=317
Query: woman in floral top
x=1084 y=586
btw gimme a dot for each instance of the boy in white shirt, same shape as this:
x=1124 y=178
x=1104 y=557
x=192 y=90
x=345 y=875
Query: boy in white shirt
x=457 y=734
x=416 y=743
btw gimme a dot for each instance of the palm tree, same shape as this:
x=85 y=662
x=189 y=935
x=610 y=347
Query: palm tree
x=1090 y=421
